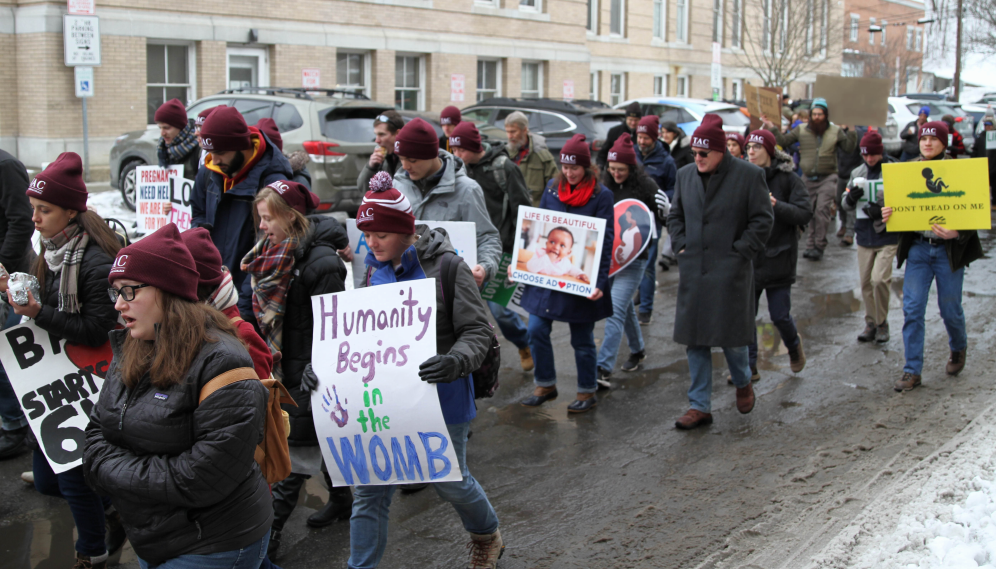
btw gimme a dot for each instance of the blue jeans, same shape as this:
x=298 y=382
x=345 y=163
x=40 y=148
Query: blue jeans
x=249 y=557
x=700 y=368
x=510 y=324
x=85 y=505
x=371 y=507
x=924 y=264
x=779 y=308
x=649 y=284
x=623 y=317
x=11 y=416
x=583 y=342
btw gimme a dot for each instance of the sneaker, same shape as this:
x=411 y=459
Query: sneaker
x=526 y=358
x=114 y=532
x=633 y=363
x=644 y=318
x=339 y=507
x=907 y=382
x=88 y=562
x=485 y=550
x=602 y=379
x=28 y=477
x=13 y=442
x=869 y=334
x=956 y=362
x=797 y=358
x=693 y=418
x=882 y=333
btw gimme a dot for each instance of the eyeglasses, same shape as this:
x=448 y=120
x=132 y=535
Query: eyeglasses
x=127 y=291
x=701 y=154
x=755 y=146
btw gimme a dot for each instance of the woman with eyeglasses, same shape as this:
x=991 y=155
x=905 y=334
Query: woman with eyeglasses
x=180 y=469
x=77 y=248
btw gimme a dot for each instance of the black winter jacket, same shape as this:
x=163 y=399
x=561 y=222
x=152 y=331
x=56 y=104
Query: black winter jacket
x=638 y=186
x=602 y=159
x=681 y=152
x=911 y=140
x=16 y=227
x=502 y=202
x=191 y=162
x=775 y=265
x=97 y=315
x=182 y=475
x=317 y=270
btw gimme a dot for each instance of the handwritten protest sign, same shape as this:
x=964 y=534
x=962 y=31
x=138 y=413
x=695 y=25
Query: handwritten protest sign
x=763 y=101
x=462 y=234
x=635 y=229
x=378 y=423
x=855 y=100
x=57 y=385
x=154 y=188
x=951 y=193
x=502 y=291
x=559 y=251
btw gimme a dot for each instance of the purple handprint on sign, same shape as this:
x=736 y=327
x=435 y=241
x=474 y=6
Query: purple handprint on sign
x=327 y=402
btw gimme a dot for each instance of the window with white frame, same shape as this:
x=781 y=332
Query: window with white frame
x=717 y=21
x=871 y=34
x=809 y=27
x=530 y=5
x=617 y=89
x=488 y=78
x=852 y=69
x=736 y=23
x=681 y=88
x=783 y=27
x=736 y=89
x=909 y=38
x=660 y=86
x=912 y=79
x=824 y=30
x=884 y=29
x=854 y=27
x=408 y=81
x=681 y=21
x=766 y=25
x=659 y=19
x=167 y=75
x=593 y=16
x=532 y=79
x=351 y=72
x=491 y=3
x=919 y=39
x=594 y=92
x=617 y=15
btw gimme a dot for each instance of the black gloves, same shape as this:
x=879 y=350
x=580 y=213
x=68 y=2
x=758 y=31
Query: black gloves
x=440 y=369
x=309 y=381
x=853 y=195
x=873 y=210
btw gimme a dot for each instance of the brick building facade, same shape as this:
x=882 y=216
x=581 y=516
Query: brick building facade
x=894 y=51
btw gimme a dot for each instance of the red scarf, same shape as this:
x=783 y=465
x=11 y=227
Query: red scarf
x=579 y=195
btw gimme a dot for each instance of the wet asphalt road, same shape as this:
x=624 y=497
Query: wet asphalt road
x=620 y=487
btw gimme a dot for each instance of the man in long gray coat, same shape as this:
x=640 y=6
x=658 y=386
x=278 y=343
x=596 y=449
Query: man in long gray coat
x=720 y=219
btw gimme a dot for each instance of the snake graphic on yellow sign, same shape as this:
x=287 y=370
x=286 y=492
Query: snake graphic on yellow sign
x=950 y=193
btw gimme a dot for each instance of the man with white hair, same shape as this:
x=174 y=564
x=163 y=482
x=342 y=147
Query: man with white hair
x=530 y=154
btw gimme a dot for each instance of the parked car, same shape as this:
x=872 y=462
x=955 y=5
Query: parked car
x=334 y=127
x=688 y=113
x=905 y=110
x=926 y=96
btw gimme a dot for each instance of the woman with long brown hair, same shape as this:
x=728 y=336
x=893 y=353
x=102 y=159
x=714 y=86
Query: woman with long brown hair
x=181 y=472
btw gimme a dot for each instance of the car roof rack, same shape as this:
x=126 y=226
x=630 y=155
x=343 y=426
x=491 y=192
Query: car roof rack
x=540 y=103
x=296 y=92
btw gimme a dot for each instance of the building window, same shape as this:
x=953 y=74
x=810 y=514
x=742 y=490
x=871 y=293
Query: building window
x=853 y=69
x=593 y=16
x=660 y=19
x=717 y=21
x=871 y=34
x=854 y=27
x=530 y=5
x=809 y=27
x=824 y=31
x=167 y=76
x=884 y=29
x=660 y=86
x=919 y=39
x=532 y=80
x=737 y=22
x=488 y=74
x=350 y=72
x=766 y=25
x=783 y=37
x=616 y=17
x=736 y=89
x=682 y=21
x=617 y=89
x=408 y=82
x=912 y=83
x=681 y=89
x=909 y=38
x=593 y=89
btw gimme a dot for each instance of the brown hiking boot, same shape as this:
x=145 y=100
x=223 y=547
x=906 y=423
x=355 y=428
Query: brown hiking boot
x=882 y=333
x=693 y=418
x=797 y=358
x=956 y=363
x=869 y=334
x=907 y=382
x=841 y=231
x=526 y=357
x=485 y=550
x=846 y=241
x=745 y=399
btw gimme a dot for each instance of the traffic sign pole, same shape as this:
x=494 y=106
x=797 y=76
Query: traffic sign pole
x=86 y=145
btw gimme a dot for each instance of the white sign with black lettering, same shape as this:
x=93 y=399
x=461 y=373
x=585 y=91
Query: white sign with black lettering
x=81 y=35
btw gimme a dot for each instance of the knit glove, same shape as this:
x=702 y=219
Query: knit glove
x=855 y=192
x=663 y=204
x=873 y=211
x=309 y=381
x=441 y=368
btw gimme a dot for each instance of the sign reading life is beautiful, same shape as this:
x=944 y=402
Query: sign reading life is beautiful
x=377 y=422
x=57 y=385
x=558 y=251
x=951 y=193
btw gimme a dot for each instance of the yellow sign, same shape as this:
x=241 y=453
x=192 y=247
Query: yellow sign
x=950 y=193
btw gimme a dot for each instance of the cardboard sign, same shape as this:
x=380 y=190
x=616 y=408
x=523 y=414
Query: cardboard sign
x=377 y=422
x=500 y=290
x=462 y=234
x=558 y=251
x=154 y=188
x=634 y=230
x=763 y=101
x=57 y=385
x=950 y=193
x=872 y=188
x=854 y=101
x=991 y=140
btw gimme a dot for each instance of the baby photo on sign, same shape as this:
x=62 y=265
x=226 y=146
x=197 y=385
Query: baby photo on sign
x=556 y=250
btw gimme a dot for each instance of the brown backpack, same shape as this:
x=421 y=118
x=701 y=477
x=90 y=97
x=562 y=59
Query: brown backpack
x=272 y=455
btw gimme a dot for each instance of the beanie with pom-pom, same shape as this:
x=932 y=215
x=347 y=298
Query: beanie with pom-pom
x=385 y=209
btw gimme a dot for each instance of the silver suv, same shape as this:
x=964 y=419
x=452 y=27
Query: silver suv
x=334 y=127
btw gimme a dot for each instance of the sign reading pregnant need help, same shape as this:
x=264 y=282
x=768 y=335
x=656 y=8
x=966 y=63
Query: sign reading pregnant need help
x=377 y=422
x=557 y=250
x=950 y=193
x=155 y=187
x=57 y=384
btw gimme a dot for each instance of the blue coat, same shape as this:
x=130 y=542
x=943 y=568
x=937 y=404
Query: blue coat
x=566 y=307
x=660 y=167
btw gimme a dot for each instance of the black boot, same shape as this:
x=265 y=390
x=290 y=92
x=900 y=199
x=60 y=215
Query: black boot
x=114 y=533
x=274 y=545
x=13 y=442
x=339 y=507
x=869 y=334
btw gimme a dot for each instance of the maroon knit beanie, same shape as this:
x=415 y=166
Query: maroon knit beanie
x=417 y=140
x=871 y=143
x=465 y=136
x=765 y=138
x=622 y=150
x=268 y=127
x=298 y=196
x=710 y=135
x=649 y=126
x=739 y=138
x=207 y=259
x=450 y=115
x=61 y=183
x=576 y=152
x=161 y=260
x=225 y=130
x=172 y=113
x=938 y=129
x=385 y=209
x=203 y=115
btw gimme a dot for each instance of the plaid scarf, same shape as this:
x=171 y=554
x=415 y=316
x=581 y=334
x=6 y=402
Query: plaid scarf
x=271 y=269
x=64 y=255
x=181 y=145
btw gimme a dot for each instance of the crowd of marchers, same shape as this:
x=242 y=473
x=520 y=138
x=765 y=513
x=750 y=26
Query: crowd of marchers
x=194 y=319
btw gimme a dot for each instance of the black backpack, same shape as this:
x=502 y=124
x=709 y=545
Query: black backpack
x=486 y=376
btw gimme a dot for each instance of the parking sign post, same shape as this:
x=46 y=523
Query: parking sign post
x=84 y=90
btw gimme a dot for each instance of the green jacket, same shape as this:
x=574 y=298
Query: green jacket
x=538 y=167
x=818 y=157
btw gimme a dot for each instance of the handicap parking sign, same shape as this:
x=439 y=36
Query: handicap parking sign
x=84 y=81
